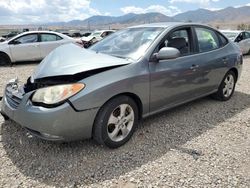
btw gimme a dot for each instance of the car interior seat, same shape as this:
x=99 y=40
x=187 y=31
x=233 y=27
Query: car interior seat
x=179 y=43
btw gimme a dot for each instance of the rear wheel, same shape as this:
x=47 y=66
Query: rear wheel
x=4 y=59
x=227 y=87
x=116 y=122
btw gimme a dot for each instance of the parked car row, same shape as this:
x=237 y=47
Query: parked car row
x=104 y=91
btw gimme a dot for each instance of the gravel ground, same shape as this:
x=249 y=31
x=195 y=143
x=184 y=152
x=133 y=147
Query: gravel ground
x=205 y=143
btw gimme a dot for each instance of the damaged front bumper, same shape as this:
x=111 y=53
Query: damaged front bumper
x=59 y=123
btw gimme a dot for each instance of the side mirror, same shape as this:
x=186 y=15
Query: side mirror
x=167 y=53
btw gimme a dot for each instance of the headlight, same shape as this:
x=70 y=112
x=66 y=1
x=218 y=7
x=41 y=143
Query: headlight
x=56 y=94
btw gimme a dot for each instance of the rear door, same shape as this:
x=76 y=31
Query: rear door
x=212 y=59
x=25 y=48
x=49 y=42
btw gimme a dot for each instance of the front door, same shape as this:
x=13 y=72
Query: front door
x=174 y=81
x=25 y=48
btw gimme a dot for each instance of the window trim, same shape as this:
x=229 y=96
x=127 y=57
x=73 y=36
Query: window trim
x=221 y=43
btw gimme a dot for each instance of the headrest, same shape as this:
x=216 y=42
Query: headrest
x=178 y=43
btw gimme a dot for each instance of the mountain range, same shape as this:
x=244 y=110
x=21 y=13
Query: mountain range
x=223 y=16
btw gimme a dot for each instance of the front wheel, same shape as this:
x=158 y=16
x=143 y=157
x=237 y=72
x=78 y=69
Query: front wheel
x=116 y=122
x=4 y=60
x=227 y=87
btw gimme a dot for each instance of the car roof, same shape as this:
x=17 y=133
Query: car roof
x=44 y=31
x=104 y=30
x=169 y=24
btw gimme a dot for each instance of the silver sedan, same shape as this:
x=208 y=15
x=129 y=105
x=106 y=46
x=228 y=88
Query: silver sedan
x=103 y=92
x=242 y=38
x=31 y=46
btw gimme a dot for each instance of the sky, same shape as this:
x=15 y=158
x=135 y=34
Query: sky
x=44 y=11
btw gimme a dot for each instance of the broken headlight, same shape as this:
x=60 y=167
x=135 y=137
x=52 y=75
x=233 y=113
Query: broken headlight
x=56 y=94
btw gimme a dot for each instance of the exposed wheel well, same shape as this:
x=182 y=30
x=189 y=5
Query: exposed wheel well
x=235 y=72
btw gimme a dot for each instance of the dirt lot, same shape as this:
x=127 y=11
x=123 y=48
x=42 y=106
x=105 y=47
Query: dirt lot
x=205 y=143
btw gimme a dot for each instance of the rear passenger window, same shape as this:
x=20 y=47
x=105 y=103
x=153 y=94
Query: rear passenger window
x=247 y=35
x=207 y=39
x=49 y=37
x=223 y=40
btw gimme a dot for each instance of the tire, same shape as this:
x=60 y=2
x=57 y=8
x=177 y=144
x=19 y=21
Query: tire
x=6 y=118
x=226 y=91
x=111 y=128
x=4 y=60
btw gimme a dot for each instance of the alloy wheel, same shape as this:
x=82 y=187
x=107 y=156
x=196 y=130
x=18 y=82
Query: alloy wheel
x=120 y=122
x=229 y=85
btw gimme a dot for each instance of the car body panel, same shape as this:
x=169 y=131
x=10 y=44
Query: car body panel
x=26 y=114
x=158 y=85
x=25 y=52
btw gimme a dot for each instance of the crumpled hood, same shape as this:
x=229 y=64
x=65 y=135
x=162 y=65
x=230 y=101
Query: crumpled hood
x=71 y=59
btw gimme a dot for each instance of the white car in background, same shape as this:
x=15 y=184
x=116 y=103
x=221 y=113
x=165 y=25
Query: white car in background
x=242 y=38
x=31 y=46
x=96 y=36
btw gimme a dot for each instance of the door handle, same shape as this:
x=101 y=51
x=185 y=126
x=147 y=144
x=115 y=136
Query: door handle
x=194 y=67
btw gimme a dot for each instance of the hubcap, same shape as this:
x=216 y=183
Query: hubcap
x=229 y=85
x=120 y=122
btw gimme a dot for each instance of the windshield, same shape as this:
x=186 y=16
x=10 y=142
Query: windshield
x=231 y=35
x=129 y=43
x=96 y=34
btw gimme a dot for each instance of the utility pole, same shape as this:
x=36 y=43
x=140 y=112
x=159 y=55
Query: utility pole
x=88 y=25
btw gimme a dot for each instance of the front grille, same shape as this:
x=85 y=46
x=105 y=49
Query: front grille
x=13 y=97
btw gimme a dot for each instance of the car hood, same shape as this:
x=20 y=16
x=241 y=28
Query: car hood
x=87 y=39
x=71 y=59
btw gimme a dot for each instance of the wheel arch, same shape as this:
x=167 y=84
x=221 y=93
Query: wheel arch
x=6 y=55
x=235 y=71
x=133 y=96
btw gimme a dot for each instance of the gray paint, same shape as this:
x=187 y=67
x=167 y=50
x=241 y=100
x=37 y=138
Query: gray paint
x=70 y=59
x=159 y=85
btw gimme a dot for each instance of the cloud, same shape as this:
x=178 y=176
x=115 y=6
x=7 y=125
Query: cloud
x=201 y=2
x=238 y=6
x=30 y=11
x=170 y=11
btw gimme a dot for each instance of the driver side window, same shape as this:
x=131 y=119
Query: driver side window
x=27 y=39
x=180 y=40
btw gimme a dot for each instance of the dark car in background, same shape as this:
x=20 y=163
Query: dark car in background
x=11 y=34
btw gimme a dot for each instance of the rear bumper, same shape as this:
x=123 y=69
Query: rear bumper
x=59 y=123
